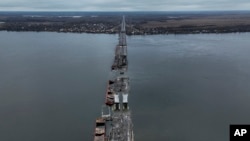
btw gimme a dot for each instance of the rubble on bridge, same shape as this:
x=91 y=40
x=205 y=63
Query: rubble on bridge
x=117 y=123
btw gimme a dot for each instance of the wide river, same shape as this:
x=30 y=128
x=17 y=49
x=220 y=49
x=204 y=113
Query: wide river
x=183 y=87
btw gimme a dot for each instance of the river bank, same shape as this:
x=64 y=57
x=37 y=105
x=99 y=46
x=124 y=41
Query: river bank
x=137 y=23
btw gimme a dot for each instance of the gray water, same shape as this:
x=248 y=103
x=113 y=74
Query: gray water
x=183 y=87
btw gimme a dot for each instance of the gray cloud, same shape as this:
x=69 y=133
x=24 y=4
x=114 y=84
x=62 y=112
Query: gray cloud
x=123 y=5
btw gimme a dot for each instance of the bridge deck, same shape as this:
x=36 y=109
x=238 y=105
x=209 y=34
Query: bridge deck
x=119 y=126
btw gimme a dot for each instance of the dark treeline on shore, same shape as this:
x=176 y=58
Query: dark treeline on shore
x=138 y=23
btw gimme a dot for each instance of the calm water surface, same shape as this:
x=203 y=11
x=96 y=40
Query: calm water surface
x=52 y=85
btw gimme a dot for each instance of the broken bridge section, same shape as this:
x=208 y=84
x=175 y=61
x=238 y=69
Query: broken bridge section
x=117 y=125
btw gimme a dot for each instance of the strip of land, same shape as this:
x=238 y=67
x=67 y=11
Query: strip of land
x=137 y=23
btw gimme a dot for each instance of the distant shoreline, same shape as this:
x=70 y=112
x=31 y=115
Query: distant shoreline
x=138 y=23
x=186 y=33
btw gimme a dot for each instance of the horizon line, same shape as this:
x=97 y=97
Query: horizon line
x=125 y=11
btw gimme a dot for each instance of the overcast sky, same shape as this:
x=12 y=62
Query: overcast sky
x=123 y=5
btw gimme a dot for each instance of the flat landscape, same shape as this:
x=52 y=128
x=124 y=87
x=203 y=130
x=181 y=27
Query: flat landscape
x=138 y=23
